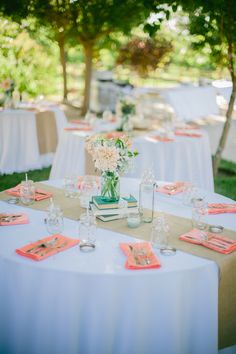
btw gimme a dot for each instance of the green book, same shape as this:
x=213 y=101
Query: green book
x=100 y=204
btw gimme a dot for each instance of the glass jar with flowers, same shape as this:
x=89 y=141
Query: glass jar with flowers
x=126 y=108
x=111 y=156
x=8 y=87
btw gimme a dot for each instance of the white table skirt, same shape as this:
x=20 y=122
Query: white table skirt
x=19 y=149
x=186 y=159
x=190 y=102
x=77 y=302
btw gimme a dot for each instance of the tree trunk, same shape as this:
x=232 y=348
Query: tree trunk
x=88 y=51
x=224 y=135
x=61 y=43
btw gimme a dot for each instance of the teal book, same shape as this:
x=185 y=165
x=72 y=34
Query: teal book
x=100 y=204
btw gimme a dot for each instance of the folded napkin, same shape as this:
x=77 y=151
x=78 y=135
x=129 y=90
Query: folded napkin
x=140 y=256
x=81 y=129
x=40 y=194
x=114 y=135
x=160 y=138
x=220 y=208
x=188 y=127
x=81 y=179
x=46 y=247
x=79 y=121
x=172 y=188
x=221 y=244
x=13 y=219
x=188 y=134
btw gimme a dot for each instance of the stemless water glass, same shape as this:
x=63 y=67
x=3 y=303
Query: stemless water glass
x=71 y=186
x=160 y=236
x=87 y=231
x=27 y=192
x=54 y=221
x=88 y=188
x=200 y=216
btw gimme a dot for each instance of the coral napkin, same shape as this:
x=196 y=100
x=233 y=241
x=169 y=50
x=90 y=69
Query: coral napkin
x=114 y=135
x=81 y=179
x=81 y=129
x=13 y=219
x=40 y=194
x=221 y=244
x=159 y=138
x=187 y=127
x=140 y=256
x=173 y=188
x=220 y=208
x=46 y=247
x=79 y=121
x=190 y=135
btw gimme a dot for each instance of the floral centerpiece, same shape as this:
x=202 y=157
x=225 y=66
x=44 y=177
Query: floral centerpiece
x=125 y=109
x=8 y=87
x=111 y=156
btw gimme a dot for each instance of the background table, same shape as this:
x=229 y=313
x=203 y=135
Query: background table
x=78 y=302
x=19 y=139
x=187 y=159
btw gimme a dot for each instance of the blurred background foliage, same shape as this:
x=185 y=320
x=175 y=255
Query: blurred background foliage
x=30 y=56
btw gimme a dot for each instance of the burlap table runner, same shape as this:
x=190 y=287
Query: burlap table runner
x=178 y=225
x=46 y=131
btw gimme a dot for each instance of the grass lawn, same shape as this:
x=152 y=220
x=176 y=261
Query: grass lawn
x=225 y=183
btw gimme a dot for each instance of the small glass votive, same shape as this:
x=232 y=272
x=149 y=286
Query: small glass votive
x=27 y=192
x=133 y=219
x=71 y=186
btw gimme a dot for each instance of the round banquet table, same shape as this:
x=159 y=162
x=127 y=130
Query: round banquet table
x=76 y=302
x=184 y=159
x=19 y=147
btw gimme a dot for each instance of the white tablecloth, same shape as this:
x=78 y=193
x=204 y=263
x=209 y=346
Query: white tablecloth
x=19 y=149
x=77 y=302
x=190 y=102
x=187 y=159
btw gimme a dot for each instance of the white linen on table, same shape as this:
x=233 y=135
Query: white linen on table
x=69 y=159
x=191 y=103
x=77 y=302
x=19 y=149
x=185 y=159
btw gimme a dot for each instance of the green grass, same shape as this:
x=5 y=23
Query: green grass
x=225 y=182
x=8 y=181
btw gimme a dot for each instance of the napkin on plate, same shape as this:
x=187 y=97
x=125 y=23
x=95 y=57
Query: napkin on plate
x=188 y=127
x=172 y=188
x=114 y=135
x=7 y=219
x=81 y=179
x=160 y=138
x=188 y=134
x=81 y=129
x=140 y=256
x=46 y=247
x=40 y=194
x=220 y=208
x=79 y=121
x=221 y=244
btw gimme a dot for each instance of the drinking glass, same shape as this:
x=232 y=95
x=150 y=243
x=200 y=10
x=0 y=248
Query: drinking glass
x=200 y=216
x=54 y=221
x=87 y=231
x=27 y=192
x=88 y=188
x=71 y=186
x=160 y=236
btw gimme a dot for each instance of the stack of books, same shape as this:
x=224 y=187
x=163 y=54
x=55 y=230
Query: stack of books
x=107 y=211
